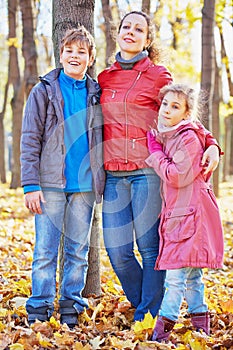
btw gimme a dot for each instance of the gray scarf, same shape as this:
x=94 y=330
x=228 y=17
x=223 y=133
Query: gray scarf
x=128 y=64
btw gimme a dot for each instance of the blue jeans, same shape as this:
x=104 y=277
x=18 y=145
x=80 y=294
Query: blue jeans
x=70 y=213
x=130 y=213
x=183 y=283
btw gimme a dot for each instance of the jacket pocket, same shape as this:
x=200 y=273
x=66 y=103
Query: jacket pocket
x=179 y=224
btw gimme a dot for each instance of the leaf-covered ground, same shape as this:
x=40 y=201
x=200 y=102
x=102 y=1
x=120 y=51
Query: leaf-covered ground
x=107 y=324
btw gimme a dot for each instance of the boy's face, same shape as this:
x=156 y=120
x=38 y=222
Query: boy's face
x=75 y=59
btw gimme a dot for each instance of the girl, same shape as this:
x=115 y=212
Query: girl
x=191 y=235
x=132 y=200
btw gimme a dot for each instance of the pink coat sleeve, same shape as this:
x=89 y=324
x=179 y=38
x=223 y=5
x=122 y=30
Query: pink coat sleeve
x=183 y=166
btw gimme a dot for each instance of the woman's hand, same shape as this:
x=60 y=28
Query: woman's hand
x=33 y=200
x=210 y=159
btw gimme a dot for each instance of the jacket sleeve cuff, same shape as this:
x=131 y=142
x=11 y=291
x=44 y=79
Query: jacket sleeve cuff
x=31 y=188
x=211 y=141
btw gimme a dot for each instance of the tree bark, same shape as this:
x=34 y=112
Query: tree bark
x=2 y=137
x=215 y=121
x=146 y=6
x=109 y=31
x=208 y=59
x=18 y=93
x=29 y=46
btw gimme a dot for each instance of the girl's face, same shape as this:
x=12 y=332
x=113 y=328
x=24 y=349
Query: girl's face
x=173 y=109
x=75 y=60
x=132 y=37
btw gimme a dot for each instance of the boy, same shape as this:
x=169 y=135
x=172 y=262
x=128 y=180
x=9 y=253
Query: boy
x=62 y=175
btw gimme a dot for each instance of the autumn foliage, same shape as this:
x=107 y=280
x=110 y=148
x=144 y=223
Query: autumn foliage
x=108 y=323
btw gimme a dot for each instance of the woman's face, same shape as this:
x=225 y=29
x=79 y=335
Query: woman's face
x=132 y=37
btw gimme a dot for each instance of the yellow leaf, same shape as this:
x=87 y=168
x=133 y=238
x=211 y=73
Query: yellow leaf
x=3 y=312
x=16 y=346
x=227 y=306
x=97 y=310
x=85 y=316
x=43 y=342
x=13 y=42
x=2 y=326
x=54 y=323
x=178 y=326
x=147 y=323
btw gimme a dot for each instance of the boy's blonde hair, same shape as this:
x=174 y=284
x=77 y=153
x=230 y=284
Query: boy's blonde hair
x=192 y=98
x=79 y=35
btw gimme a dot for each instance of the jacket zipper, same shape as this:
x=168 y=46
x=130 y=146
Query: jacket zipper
x=126 y=115
x=137 y=139
x=112 y=91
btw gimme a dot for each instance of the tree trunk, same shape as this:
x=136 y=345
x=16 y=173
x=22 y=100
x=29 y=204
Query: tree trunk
x=228 y=123
x=29 y=46
x=66 y=17
x=215 y=121
x=17 y=100
x=2 y=137
x=109 y=30
x=208 y=58
x=146 y=6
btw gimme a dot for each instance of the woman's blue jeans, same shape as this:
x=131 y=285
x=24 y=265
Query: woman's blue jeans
x=130 y=213
x=183 y=283
x=71 y=214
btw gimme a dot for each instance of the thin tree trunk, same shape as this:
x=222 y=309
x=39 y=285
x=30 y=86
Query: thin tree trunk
x=146 y=6
x=18 y=93
x=208 y=58
x=108 y=31
x=29 y=46
x=215 y=122
x=2 y=137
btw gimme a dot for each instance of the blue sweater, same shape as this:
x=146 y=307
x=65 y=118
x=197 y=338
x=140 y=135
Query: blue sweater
x=77 y=162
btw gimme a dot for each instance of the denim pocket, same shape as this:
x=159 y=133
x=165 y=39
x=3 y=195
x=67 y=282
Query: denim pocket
x=179 y=224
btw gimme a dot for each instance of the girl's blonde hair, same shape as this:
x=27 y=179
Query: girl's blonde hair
x=154 y=52
x=192 y=98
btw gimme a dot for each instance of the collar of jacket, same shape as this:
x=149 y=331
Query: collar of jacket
x=140 y=66
x=183 y=128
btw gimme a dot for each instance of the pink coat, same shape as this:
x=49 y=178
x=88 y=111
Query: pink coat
x=191 y=233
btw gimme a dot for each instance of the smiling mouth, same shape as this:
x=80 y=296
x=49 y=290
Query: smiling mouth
x=129 y=40
x=72 y=63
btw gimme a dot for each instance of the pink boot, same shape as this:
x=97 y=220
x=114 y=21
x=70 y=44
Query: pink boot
x=201 y=320
x=162 y=329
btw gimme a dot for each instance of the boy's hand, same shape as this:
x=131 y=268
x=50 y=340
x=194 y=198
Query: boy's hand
x=152 y=143
x=33 y=200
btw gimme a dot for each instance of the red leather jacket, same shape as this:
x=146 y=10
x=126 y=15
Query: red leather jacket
x=130 y=104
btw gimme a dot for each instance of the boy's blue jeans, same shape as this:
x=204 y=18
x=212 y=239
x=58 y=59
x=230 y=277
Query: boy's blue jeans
x=183 y=283
x=130 y=212
x=72 y=214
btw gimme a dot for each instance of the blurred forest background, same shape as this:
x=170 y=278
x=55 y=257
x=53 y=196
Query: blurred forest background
x=196 y=38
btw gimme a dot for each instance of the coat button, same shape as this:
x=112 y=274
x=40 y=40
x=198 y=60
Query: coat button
x=191 y=209
x=169 y=213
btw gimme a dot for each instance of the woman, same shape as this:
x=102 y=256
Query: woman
x=132 y=200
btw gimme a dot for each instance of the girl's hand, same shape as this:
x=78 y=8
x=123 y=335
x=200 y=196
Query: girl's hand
x=152 y=143
x=210 y=159
x=33 y=200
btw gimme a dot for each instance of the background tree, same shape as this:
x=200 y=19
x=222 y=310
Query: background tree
x=208 y=58
x=65 y=17
x=28 y=46
x=17 y=100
